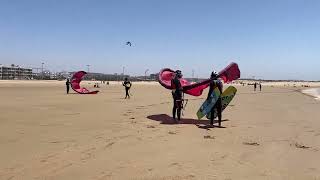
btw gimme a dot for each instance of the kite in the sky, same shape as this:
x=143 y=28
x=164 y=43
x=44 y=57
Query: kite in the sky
x=128 y=43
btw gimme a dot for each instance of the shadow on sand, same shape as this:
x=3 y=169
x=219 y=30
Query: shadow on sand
x=165 y=119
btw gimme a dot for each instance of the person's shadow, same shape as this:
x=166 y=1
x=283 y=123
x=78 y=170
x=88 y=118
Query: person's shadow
x=165 y=119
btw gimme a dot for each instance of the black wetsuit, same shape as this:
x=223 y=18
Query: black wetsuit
x=68 y=86
x=177 y=97
x=218 y=104
x=127 y=85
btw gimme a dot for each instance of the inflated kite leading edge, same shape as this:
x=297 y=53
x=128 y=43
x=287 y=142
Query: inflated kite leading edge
x=228 y=74
x=75 y=83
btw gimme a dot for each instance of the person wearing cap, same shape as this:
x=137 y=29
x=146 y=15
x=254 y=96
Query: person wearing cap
x=127 y=85
x=177 y=95
x=218 y=106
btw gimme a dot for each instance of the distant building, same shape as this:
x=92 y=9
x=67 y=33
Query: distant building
x=154 y=76
x=15 y=72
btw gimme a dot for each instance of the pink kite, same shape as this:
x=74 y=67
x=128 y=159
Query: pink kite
x=75 y=83
x=228 y=74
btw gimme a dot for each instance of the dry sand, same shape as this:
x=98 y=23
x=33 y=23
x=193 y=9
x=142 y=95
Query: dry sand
x=46 y=134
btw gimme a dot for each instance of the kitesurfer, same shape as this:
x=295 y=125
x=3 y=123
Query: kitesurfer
x=177 y=95
x=127 y=84
x=218 y=106
x=68 y=85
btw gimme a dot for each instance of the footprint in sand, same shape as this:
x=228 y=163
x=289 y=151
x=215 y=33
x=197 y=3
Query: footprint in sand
x=208 y=137
x=150 y=169
x=251 y=143
x=140 y=107
x=109 y=145
x=104 y=175
x=151 y=126
x=174 y=164
x=71 y=114
x=172 y=132
x=300 y=146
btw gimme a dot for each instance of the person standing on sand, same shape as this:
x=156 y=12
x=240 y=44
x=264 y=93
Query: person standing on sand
x=260 y=86
x=218 y=106
x=127 y=85
x=255 y=86
x=177 y=95
x=68 y=85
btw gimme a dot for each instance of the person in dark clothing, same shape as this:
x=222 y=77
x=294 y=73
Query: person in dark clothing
x=68 y=85
x=217 y=108
x=127 y=84
x=255 y=86
x=260 y=86
x=177 y=95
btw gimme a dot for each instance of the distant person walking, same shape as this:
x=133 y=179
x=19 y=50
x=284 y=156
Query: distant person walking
x=127 y=84
x=255 y=86
x=68 y=85
x=260 y=86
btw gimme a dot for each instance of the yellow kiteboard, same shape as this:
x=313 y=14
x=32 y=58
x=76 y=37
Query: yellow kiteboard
x=226 y=98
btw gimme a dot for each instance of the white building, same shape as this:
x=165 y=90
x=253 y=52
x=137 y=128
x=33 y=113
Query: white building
x=15 y=72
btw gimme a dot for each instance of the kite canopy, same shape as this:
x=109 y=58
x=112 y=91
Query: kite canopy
x=166 y=75
x=228 y=74
x=128 y=43
x=75 y=83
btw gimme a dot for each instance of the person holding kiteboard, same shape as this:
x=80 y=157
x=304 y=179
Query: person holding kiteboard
x=127 y=84
x=218 y=106
x=177 y=95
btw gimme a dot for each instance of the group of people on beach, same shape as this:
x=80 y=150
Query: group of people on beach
x=127 y=84
x=255 y=86
x=177 y=95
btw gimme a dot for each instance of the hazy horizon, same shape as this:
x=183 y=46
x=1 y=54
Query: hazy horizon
x=268 y=39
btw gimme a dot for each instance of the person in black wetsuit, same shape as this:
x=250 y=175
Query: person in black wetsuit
x=127 y=84
x=260 y=86
x=68 y=85
x=177 y=95
x=218 y=106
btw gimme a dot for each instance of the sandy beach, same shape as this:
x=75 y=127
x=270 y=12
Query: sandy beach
x=46 y=134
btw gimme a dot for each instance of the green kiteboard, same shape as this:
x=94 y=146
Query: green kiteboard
x=206 y=107
x=226 y=98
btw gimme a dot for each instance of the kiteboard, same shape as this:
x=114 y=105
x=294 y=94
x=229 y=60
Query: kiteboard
x=128 y=85
x=206 y=107
x=226 y=98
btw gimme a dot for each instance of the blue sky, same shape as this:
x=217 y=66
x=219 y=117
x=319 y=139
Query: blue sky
x=272 y=39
